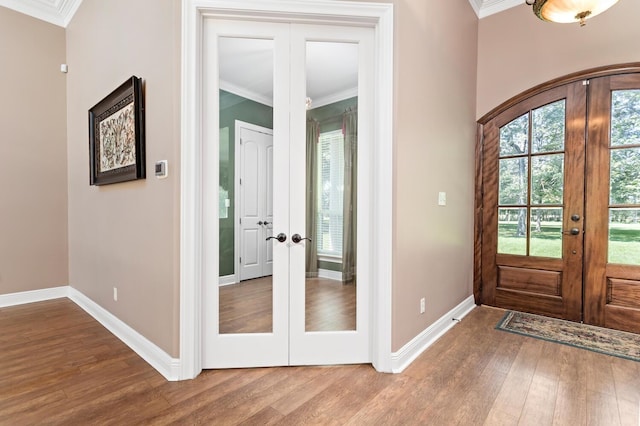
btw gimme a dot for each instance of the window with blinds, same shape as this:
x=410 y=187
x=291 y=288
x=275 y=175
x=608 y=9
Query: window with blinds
x=330 y=192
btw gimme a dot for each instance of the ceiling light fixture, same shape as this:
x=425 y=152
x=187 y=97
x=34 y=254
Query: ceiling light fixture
x=569 y=11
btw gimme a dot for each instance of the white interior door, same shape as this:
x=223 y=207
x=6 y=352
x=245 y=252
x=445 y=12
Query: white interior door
x=313 y=48
x=289 y=335
x=254 y=159
x=231 y=337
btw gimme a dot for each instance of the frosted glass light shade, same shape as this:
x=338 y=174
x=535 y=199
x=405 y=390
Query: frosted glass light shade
x=568 y=11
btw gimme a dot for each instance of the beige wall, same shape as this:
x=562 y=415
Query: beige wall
x=126 y=235
x=517 y=51
x=33 y=162
x=435 y=89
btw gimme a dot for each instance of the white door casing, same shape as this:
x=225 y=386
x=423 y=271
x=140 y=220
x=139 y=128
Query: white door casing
x=254 y=205
x=193 y=256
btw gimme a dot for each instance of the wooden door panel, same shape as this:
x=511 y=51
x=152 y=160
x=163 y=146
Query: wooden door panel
x=541 y=304
x=624 y=293
x=513 y=280
x=489 y=214
x=611 y=291
x=530 y=280
x=626 y=319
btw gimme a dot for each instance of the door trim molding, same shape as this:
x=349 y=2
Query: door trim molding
x=604 y=71
x=379 y=16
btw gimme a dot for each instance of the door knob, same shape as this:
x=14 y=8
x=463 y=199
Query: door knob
x=296 y=238
x=260 y=223
x=282 y=237
x=266 y=223
x=575 y=217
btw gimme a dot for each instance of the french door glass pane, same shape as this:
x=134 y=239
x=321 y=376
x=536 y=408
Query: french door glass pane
x=546 y=232
x=513 y=181
x=547 y=179
x=331 y=202
x=547 y=133
x=514 y=137
x=625 y=117
x=624 y=236
x=512 y=231
x=246 y=211
x=624 y=184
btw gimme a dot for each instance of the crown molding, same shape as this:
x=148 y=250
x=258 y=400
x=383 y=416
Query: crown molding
x=60 y=12
x=57 y=12
x=484 y=8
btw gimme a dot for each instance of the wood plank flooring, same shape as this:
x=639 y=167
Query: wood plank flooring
x=58 y=366
x=247 y=307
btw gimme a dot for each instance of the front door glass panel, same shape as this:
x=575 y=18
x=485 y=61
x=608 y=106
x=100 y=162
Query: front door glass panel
x=531 y=183
x=624 y=182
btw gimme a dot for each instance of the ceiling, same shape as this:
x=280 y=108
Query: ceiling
x=331 y=67
x=247 y=67
x=484 y=8
x=60 y=12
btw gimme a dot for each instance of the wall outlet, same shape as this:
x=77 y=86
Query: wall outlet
x=115 y=294
x=422 y=305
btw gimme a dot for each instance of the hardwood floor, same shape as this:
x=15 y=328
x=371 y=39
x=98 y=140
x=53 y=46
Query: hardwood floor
x=246 y=307
x=60 y=367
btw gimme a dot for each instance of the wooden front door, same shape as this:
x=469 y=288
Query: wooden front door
x=612 y=243
x=559 y=202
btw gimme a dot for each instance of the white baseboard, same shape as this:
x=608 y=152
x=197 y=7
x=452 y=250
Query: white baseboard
x=331 y=275
x=227 y=280
x=33 y=296
x=409 y=352
x=169 y=367
x=166 y=365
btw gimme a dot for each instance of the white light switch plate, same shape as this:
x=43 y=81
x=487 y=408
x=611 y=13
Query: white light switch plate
x=442 y=198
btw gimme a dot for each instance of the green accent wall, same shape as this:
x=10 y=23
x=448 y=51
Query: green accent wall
x=330 y=116
x=232 y=108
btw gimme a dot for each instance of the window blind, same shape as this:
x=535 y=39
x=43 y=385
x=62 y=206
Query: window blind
x=330 y=193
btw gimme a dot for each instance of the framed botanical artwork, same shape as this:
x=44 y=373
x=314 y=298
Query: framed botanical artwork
x=116 y=135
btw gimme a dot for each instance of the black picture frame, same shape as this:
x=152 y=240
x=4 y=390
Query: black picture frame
x=116 y=136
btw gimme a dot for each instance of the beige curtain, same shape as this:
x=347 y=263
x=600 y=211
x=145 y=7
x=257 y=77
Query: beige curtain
x=313 y=133
x=349 y=224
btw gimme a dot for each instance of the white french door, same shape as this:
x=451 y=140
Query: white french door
x=270 y=74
